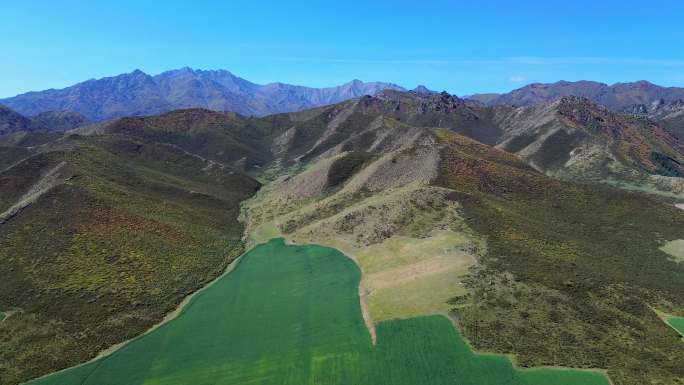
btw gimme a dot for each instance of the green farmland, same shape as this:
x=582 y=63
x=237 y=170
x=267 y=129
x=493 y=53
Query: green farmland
x=677 y=323
x=291 y=315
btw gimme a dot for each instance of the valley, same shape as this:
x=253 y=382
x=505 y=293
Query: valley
x=473 y=229
x=224 y=335
x=342 y=193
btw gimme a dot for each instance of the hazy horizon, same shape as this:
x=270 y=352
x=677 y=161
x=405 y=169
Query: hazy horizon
x=458 y=47
x=406 y=86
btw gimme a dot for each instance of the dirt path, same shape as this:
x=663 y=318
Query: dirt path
x=8 y=314
x=48 y=181
x=680 y=206
x=363 y=298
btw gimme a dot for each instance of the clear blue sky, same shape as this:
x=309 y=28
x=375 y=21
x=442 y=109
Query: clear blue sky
x=458 y=46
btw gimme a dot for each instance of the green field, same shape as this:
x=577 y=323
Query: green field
x=677 y=323
x=291 y=315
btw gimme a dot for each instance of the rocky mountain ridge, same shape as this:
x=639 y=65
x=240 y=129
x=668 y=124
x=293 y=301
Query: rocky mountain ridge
x=138 y=93
x=616 y=97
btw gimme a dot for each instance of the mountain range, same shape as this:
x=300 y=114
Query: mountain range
x=616 y=97
x=570 y=137
x=138 y=93
x=519 y=221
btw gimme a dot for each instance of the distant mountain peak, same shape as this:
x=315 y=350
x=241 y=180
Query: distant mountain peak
x=137 y=73
x=642 y=83
x=137 y=93
x=616 y=97
x=579 y=107
x=421 y=89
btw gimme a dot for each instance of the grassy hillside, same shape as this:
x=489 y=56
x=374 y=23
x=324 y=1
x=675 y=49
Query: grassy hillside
x=111 y=235
x=570 y=138
x=571 y=271
x=104 y=233
x=222 y=137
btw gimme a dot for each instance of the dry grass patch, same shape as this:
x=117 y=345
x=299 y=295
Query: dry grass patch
x=397 y=276
x=264 y=232
x=675 y=248
x=425 y=295
x=406 y=276
x=401 y=251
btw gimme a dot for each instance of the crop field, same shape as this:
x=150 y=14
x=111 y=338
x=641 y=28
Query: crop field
x=677 y=323
x=429 y=350
x=291 y=315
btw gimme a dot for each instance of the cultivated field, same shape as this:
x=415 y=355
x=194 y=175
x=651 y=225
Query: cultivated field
x=291 y=315
x=677 y=323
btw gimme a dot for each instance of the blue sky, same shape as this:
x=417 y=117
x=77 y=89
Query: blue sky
x=459 y=46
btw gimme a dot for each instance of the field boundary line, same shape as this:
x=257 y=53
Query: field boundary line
x=178 y=311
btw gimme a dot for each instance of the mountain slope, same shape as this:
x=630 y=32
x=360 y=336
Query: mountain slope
x=100 y=237
x=669 y=114
x=575 y=138
x=616 y=97
x=571 y=138
x=11 y=121
x=353 y=125
x=59 y=120
x=137 y=93
x=20 y=136
x=222 y=137
x=571 y=272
